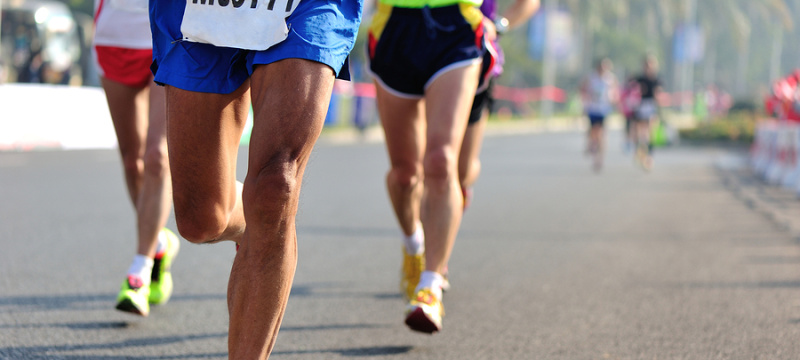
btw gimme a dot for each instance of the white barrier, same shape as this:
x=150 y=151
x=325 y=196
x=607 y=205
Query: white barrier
x=797 y=188
x=781 y=162
x=792 y=173
x=764 y=146
x=775 y=155
x=37 y=116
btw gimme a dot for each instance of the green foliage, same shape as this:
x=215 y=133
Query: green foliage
x=625 y=49
x=739 y=40
x=520 y=69
x=738 y=127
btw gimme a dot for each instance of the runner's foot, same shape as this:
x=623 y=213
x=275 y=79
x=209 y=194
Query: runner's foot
x=133 y=296
x=161 y=280
x=424 y=313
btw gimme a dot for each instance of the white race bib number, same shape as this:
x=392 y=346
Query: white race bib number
x=241 y=24
x=130 y=5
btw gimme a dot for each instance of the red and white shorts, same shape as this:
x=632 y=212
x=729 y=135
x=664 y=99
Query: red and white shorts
x=130 y=67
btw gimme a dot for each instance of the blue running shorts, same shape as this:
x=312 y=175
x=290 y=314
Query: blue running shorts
x=596 y=119
x=410 y=47
x=321 y=31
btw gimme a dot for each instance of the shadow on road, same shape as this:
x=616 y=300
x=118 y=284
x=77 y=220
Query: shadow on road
x=43 y=352
x=336 y=290
x=106 y=357
x=743 y=284
x=355 y=352
x=351 y=232
x=333 y=327
x=81 y=301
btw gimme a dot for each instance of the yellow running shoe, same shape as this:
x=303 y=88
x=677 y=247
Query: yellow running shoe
x=133 y=296
x=425 y=312
x=413 y=265
x=161 y=280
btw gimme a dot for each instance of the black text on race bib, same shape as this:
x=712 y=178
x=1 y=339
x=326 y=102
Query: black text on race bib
x=239 y=3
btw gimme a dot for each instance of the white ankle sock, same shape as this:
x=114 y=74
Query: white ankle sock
x=162 y=242
x=142 y=266
x=433 y=281
x=415 y=243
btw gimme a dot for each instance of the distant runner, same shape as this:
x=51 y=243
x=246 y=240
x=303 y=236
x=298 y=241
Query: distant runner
x=123 y=49
x=600 y=92
x=647 y=111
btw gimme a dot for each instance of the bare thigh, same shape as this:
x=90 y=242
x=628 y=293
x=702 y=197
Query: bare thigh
x=403 y=122
x=203 y=132
x=129 y=112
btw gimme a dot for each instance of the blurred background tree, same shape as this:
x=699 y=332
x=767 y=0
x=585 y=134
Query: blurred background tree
x=743 y=42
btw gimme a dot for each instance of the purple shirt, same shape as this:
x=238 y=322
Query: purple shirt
x=489 y=8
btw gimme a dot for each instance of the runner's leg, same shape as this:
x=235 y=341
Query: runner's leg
x=203 y=132
x=469 y=162
x=126 y=105
x=404 y=126
x=141 y=138
x=448 y=101
x=596 y=144
x=153 y=204
x=290 y=100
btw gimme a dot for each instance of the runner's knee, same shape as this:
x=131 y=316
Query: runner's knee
x=404 y=176
x=474 y=170
x=201 y=224
x=268 y=189
x=156 y=162
x=440 y=164
x=131 y=163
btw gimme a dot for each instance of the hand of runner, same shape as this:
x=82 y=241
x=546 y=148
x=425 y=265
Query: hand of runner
x=489 y=30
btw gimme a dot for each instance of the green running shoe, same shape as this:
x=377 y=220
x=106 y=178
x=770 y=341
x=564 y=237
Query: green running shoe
x=161 y=280
x=133 y=296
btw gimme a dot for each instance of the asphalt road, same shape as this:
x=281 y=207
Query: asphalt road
x=552 y=262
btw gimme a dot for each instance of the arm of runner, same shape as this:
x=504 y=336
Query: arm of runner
x=662 y=98
x=520 y=11
x=584 y=90
x=614 y=92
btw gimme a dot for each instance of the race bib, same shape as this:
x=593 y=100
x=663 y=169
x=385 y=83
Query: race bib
x=241 y=24
x=130 y=5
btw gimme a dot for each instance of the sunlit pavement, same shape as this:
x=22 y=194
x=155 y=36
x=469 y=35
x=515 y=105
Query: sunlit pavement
x=552 y=261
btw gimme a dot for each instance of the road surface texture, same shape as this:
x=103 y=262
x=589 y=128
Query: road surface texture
x=552 y=261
